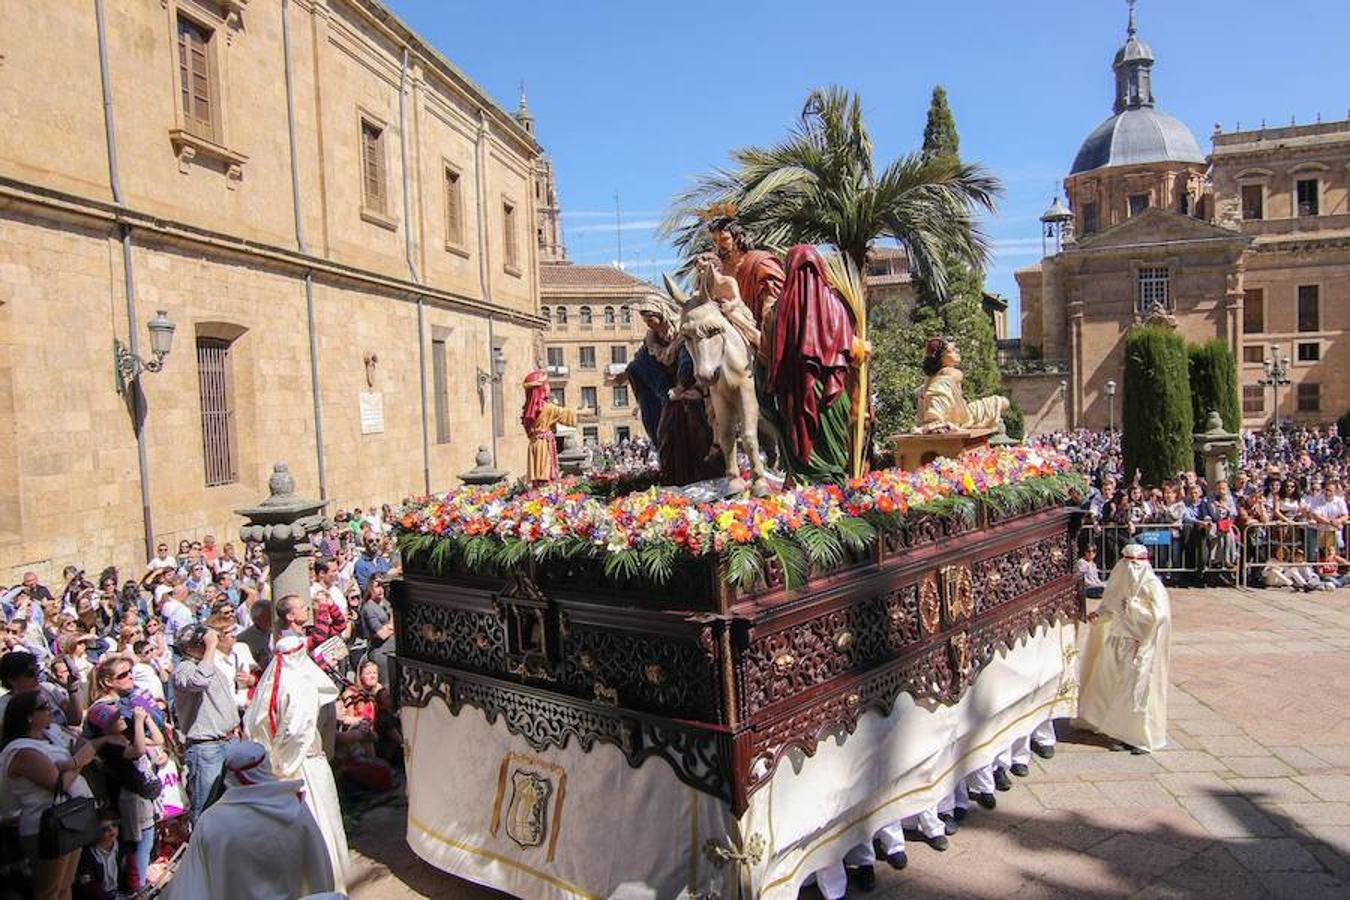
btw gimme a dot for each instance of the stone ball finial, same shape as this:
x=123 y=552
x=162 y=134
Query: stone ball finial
x=1213 y=421
x=483 y=459
x=282 y=482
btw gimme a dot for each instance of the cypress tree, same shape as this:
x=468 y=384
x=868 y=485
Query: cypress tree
x=1157 y=419
x=1214 y=384
x=939 y=134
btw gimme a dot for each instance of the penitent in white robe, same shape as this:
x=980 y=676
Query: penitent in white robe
x=257 y=842
x=1125 y=661
x=285 y=719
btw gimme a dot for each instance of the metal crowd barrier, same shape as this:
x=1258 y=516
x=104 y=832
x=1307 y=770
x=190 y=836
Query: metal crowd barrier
x=1181 y=552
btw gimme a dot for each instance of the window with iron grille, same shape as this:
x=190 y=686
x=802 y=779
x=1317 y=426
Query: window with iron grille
x=373 y=193
x=441 y=385
x=1154 y=287
x=1308 y=199
x=1309 y=352
x=1253 y=202
x=214 y=384
x=1309 y=308
x=1254 y=311
x=586 y=358
x=1310 y=397
x=609 y=317
x=1253 y=399
x=562 y=317
x=555 y=357
x=196 y=86
x=584 y=315
x=625 y=315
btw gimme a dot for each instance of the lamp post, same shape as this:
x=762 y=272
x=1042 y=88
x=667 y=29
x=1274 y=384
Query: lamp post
x=1111 y=406
x=1277 y=373
x=493 y=378
x=128 y=366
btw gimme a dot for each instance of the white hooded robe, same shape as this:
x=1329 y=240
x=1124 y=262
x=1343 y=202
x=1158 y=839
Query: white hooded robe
x=1126 y=659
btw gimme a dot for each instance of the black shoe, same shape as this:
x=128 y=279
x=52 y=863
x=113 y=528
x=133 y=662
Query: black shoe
x=988 y=801
x=898 y=859
x=938 y=843
x=1138 y=751
x=948 y=823
x=1001 y=779
x=1118 y=746
x=959 y=813
x=866 y=877
x=1044 y=751
x=1020 y=770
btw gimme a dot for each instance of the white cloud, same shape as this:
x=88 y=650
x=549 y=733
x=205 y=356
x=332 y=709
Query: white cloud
x=609 y=227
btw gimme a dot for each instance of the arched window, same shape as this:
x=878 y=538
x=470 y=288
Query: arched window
x=625 y=316
x=548 y=314
x=609 y=317
x=562 y=317
x=585 y=315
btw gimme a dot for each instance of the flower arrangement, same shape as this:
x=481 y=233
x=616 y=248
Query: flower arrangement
x=643 y=534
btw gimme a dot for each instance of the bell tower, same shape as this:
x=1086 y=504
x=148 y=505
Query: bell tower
x=548 y=214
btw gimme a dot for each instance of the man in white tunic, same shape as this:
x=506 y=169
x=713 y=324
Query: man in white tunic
x=259 y=841
x=1125 y=663
x=285 y=717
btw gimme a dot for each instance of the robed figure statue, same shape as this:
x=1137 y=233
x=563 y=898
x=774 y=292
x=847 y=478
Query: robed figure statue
x=541 y=419
x=942 y=405
x=809 y=335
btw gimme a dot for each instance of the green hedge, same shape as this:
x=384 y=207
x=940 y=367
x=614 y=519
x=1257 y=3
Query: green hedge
x=1156 y=406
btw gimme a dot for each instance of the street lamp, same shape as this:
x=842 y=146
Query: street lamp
x=494 y=378
x=498 y=370
x=1277 y=373
x=1111 y=405
x=128 y=366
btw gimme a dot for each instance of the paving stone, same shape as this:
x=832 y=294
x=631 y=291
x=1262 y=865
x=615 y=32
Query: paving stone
x=1187 y=761
x=1337 y=837
x=1317 y=813
x=1271 y=790
x=1199 y=727
x=1070 y=829
x=1230 y=816
x=1273 y=855
x=1136 y=793
x=1136 y=853
x=1183 y=784
x=1068 y=795
x=1334 y=754
x=1258 y=766
x=1327 y=787
x=1304 y=886
x=1300 y=759
x=1212 y=874
x=1106 y=761
x=1232 y=745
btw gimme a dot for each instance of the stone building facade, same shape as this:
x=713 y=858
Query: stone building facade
x=1250 y=245
x=336 y=219
x=592 y=335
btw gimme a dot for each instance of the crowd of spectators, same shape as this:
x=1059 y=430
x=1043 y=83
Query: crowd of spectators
x=1281 y=523
x=127 y=689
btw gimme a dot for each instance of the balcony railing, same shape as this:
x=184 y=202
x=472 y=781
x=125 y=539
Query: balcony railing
x=558 y=371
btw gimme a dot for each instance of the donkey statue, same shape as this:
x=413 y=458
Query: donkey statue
x=724 y=364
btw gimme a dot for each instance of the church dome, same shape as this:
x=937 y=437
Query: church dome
x=1137 y=135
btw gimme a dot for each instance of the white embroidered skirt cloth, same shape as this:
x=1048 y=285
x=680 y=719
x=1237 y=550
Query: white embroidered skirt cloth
x=485 y=807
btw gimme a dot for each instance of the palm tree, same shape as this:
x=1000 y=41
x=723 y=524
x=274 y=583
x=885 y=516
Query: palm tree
x=820 y=186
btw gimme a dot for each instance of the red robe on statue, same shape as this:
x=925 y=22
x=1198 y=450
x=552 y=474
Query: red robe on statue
x=759 y=276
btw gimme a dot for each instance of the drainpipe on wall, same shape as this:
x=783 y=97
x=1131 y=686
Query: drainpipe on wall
x=484 y=282
x=301 y=245
x=412 y=269
x=138 y=411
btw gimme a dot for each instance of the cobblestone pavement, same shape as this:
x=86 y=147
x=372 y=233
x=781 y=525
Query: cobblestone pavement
x=1250 y=800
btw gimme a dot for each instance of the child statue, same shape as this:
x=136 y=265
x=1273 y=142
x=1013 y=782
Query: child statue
x=942 y=407
x=541 y=419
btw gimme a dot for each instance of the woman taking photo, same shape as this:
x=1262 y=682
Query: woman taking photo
x=36 y=773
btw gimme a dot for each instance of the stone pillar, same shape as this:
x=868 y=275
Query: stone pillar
x=1073 y=415
x=285 y=524
x=1214 y=445
x=1236 y=297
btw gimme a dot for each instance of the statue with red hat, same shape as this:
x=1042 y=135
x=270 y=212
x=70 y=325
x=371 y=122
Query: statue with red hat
x=541 y=419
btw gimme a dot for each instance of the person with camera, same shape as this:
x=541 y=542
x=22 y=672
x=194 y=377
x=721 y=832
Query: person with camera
x=204 y=704
x=38 y=775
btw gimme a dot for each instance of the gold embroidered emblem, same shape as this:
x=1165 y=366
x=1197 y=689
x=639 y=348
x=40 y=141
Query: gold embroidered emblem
x=534 y=812
x=930 y=604
x=527 y=813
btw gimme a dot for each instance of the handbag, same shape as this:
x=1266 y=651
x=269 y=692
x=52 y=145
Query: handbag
x=67 y=826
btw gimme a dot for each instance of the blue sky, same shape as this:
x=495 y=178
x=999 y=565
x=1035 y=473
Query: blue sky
x=634 y=98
